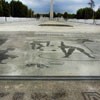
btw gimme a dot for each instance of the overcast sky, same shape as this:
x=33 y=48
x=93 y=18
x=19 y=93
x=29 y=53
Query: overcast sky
x=71 y=6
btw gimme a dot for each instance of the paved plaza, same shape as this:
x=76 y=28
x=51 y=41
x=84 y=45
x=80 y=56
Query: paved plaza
x=49 y=48
x=49 y=90
x=34 y=48
x=49 y=58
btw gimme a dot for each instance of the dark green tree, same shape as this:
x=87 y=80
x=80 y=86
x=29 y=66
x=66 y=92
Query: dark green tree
x=98 y=14
x=24 y=11
x=6 y=8
x=80 y=14
x=54 y=14
x=18 y=9
x=30 y=13
x=1 y=8
x=84 y=13
x=46 y=15
x=88 y=13
x=71 y=16
x=15 y=8
x=92 y=5
x=65 y=15
x=59 y=15
x=37 y=16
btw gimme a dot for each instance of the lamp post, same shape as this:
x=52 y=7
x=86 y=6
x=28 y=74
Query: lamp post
x=92 y=4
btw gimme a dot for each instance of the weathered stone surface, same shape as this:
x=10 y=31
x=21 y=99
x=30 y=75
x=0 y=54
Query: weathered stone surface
x=49 y=90
x=29 y=49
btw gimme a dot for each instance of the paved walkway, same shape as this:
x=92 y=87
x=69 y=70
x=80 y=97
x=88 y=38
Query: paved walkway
x=49 y=90
x=29 y=49
x=34 y=26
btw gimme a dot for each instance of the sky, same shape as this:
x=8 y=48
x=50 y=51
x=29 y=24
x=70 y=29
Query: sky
x=70 y=6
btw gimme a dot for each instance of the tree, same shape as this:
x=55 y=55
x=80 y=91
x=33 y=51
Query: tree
x=71 y=16
x=98 y=14
x=59 y=15
x=92 y=5
x=6 y=8
x=46 y=15
x=84 y=13
x=37 y=16
x=1 y=8
x=14 y=9
x=80 y=14
x=24 y=11
x=54 y=14
x=88 y=13
x=65 y=16
x=18 y=9
x=30 y=13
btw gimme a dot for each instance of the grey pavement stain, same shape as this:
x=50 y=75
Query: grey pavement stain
x=18 y=96
x=39 y=45
x=71 y=49
x=53 y=50
x=40 y=96
x=84 y=40
x=43 y=52
x=58 y=94
x=4 y=56
x=37 y=65
x=3 y=94
x=2 y=41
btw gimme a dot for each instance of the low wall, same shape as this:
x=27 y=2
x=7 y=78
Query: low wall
x=11 y=19
x=14 y=19
x=89 y=21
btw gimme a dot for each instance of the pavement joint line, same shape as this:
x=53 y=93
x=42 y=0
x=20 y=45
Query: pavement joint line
x=50 y=78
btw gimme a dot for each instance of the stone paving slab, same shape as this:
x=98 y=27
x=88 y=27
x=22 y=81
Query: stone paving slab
x=34 y=26
x=49 y=90
x=29 y=49
x=49 y=54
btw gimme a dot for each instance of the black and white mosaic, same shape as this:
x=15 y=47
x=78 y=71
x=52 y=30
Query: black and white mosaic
x=49 y=55
x=91 y=96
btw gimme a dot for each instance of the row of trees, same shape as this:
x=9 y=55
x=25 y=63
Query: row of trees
x=83 y=13
x=18 y=9
x=64 y=15
x=14 y=9
x=88 y=13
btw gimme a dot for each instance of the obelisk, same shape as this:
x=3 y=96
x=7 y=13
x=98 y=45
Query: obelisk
x=51 y=10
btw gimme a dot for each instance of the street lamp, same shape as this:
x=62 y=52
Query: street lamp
x=92 y=5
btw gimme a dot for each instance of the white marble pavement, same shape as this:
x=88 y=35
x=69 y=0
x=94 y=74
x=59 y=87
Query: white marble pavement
x=29 y=49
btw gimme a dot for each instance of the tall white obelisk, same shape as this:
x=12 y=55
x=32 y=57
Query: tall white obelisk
x=51 y=10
